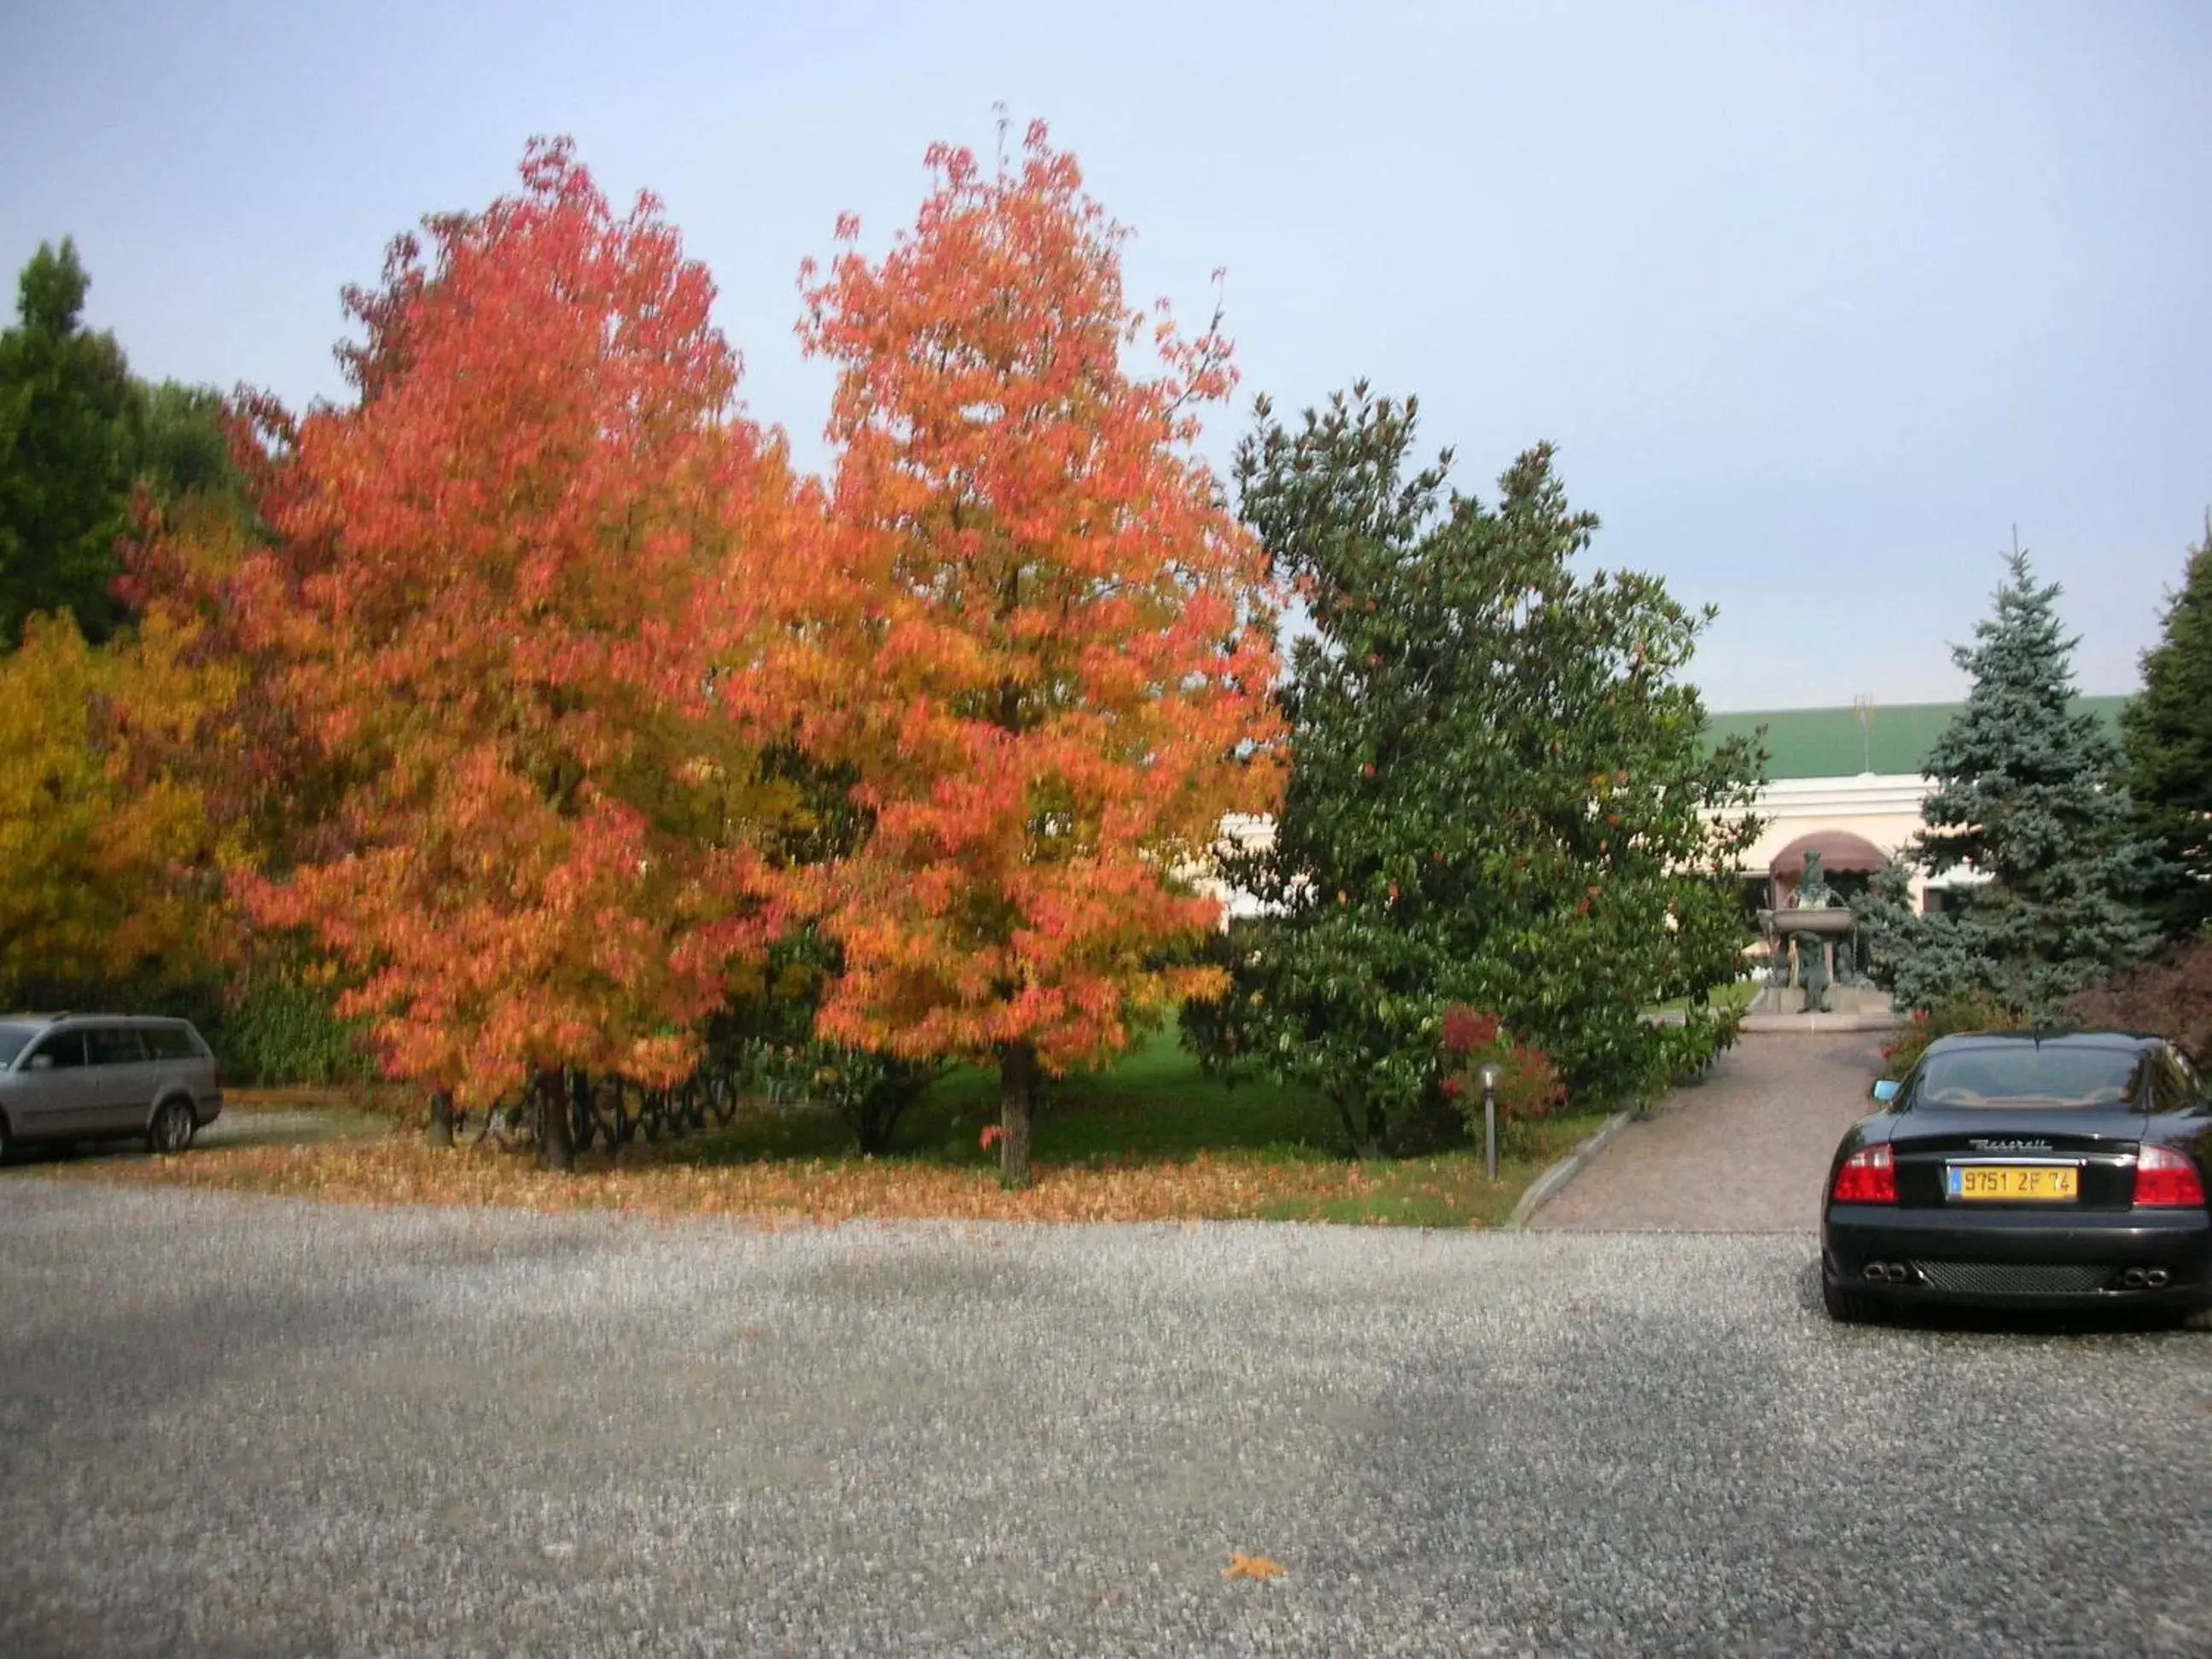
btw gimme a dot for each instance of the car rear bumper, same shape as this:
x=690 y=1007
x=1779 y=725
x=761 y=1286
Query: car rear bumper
x=2016 y=1259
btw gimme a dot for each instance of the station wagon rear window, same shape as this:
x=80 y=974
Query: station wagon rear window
x=170 y=1042
x=2029 y=1074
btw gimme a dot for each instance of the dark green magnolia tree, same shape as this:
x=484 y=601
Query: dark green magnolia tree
x=1498 y=796
x=768 y=1044
x=766 y=1038
x=2167 y=731
x=2027 y=795
x=66 y=408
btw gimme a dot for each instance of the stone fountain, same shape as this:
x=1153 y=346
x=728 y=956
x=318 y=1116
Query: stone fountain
x=1814 y=954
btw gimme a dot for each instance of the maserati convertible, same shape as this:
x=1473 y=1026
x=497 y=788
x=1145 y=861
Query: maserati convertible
x=2026 y=1169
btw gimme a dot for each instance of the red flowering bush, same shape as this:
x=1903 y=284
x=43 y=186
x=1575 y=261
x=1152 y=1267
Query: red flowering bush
x=1467 y=1029
x=1976 y=1012
x=1528 y=1085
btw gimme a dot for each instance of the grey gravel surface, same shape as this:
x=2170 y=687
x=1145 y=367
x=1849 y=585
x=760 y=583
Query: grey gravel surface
x=250 y=1427
x=284 y=1126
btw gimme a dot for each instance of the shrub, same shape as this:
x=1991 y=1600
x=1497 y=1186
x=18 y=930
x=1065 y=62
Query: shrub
x=1976 y=1011
x=1528 y=1086
x=278 y=1026
x=272 y=1022
x=871 y=1091
x=2170 y=997
x=1688 y=1050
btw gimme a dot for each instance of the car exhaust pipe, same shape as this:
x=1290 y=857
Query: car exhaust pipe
x=1874 y=1273
x=2132 y=1280
x=1885 y=1273
x=2157 y=1278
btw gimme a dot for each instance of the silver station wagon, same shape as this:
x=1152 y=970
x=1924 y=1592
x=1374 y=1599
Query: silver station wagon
x=90 y=1076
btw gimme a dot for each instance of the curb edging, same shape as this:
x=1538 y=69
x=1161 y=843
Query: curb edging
x=1870 y=1020
x=1545 y=1187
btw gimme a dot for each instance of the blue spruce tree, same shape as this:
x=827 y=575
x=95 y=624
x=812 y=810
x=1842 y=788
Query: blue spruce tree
x=2028 y=794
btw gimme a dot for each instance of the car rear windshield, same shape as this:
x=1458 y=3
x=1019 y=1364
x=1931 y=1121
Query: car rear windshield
x=12 y=1039
x=2029 y=1074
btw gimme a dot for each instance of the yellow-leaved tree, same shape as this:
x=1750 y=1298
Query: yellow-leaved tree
x=113 y=865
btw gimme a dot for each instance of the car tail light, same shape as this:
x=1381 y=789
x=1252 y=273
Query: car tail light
x=2164 y=1178
x=1868 y=1177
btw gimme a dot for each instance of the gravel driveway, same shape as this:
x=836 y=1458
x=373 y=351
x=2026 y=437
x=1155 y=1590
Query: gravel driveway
x=1744 y=1150
x=248 y=1427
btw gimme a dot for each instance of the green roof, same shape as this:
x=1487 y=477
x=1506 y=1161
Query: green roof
x=1829 y=743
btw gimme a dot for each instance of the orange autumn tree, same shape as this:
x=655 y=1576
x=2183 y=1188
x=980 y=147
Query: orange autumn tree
x=1044 y=647
x=504 y=618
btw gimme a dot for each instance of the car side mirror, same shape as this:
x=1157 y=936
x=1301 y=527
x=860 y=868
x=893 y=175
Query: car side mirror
x=40 y=1063
x=1885 y=1092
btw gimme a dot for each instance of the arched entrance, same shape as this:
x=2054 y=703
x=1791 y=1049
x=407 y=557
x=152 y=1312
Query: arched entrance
x=1843 y=854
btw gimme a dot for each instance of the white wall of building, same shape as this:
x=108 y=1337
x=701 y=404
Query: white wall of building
x=1882 y=809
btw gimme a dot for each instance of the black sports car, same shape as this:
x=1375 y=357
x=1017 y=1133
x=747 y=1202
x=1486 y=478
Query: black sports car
x=2026 y=1169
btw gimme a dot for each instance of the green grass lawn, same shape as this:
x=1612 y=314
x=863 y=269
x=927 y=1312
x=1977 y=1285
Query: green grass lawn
x=1738 y=996
x=1449 y=1189
x=1157 y=1106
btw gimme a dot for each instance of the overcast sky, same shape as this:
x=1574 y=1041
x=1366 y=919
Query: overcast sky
x=1819 y=302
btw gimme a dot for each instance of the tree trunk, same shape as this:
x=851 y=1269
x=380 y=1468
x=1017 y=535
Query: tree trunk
x=1365 y=1127
x=1377 y=1143
x=577 y=1102
x=556 y=1150
x=1345 y=1116
x=1017 y=1073
x=441 y=1132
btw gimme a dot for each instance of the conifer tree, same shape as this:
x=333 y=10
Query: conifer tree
x=2168 y=731
x=2028 y=794
x=66 y=403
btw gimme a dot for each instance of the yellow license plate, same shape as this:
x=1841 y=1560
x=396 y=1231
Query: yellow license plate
x=2013 y=1182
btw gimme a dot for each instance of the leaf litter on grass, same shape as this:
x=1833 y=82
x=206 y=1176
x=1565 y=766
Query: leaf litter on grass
x=1210 y=1186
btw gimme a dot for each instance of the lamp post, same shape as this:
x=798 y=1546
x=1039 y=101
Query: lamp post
x=1491 y=1074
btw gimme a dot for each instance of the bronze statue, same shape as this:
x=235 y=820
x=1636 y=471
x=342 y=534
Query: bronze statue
x=1813 y=893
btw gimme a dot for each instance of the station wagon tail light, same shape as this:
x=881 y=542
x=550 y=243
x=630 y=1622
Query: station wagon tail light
x=2165 y=1180
x=1868 y=1177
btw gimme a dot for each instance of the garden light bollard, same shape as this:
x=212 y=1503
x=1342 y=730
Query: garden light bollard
x=1491 y=1074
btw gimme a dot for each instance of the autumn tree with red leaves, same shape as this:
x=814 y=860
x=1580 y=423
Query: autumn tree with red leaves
x=1042 y=644
x=501 y=628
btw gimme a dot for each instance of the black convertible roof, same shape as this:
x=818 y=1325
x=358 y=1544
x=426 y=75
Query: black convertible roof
x=2057 y=1039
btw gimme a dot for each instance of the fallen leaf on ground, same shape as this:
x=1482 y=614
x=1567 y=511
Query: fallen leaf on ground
x=1242 y=1566
x=654 y=1181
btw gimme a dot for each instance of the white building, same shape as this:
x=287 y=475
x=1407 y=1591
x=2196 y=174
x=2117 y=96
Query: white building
x=1848 y=783
x=1844 y=782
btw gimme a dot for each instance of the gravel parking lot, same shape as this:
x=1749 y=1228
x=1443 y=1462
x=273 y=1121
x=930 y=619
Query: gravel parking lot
x=249 y=1427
